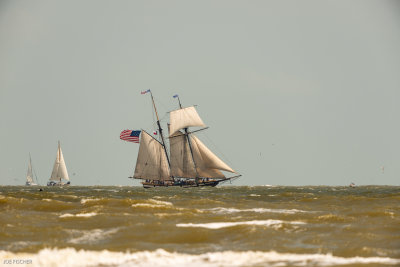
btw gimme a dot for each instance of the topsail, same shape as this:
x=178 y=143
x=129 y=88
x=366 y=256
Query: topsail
x=183 y=118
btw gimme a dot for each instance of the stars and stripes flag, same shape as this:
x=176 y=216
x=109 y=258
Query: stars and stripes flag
x=145 y=92
x=130 y=136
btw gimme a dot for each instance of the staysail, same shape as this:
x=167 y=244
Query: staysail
x=183 y=118
x=59 y=168
x=207 y=158
x=151 y=162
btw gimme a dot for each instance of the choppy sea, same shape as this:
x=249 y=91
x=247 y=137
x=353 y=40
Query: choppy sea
x=221 y=226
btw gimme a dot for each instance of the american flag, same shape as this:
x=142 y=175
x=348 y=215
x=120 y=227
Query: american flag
x=130 y=136
x=144 y=92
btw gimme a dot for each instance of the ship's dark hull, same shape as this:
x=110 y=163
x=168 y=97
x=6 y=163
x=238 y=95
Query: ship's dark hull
x=52 y=183
x=185 y=182
x=185 y=185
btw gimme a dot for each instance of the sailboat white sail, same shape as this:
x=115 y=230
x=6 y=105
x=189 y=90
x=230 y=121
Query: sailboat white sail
x=59 y=175
x=29 y=174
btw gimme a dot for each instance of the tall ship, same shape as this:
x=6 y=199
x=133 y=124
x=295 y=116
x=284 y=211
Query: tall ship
x=59 y=175
x=29 y=174
x=184 y=161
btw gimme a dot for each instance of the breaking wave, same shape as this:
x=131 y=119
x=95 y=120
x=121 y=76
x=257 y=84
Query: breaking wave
x=218 y=225
x=71 y=257
x=68 y=215
x=221 y=210
x=90 y=236
x=152 y=203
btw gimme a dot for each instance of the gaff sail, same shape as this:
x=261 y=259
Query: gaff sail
x=151 y=162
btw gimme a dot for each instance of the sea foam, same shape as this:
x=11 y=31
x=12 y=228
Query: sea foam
x=70 y=257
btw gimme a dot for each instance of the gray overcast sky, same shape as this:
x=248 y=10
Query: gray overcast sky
x=294 y=92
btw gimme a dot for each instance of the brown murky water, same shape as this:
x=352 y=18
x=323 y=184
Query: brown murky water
x=222 y=226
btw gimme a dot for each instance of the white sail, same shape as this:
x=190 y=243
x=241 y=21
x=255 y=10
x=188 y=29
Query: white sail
x=151 y=162
x=59 y=169
x=207 y=158
x=181 y=159
x=183 y=118
x=207 y=163
x=29 y=175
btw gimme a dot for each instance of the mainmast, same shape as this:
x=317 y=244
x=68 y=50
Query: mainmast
x=190 y=145
x=160 y=129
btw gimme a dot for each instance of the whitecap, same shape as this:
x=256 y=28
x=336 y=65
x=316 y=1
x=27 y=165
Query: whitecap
x=85 y=200
x=90 y=236
x=70 y=257
x=219 y=225
x=90 y=214
x=222 y=210
x=153 y=203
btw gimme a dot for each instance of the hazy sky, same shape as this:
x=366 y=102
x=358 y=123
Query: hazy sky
x=294 y=92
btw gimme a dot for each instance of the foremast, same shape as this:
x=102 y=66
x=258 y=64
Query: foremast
x=159 y=128
x=153 y=162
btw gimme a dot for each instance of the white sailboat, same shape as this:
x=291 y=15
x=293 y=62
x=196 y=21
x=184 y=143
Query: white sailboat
x=29 y=174
x=189 y=162
x=59 y=175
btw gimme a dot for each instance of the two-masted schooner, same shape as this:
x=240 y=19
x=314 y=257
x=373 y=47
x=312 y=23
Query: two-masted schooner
x=188 y=163
x=59 y=175
x=29 y=174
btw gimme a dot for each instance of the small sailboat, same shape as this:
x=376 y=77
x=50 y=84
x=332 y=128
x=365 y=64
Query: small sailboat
x=189 y=162
x=59 y=175
x=29 y=174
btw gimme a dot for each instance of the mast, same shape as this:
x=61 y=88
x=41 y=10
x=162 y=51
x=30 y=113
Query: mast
x=190 y=145
x=59 y=155
x=160 y=129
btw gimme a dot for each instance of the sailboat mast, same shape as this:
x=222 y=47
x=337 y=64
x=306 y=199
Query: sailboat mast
x=190 y=145
x=59 y=157
x=30 y=162
x=160 y=129
x=58 y=152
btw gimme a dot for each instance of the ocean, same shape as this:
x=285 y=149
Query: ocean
x=221 y=226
